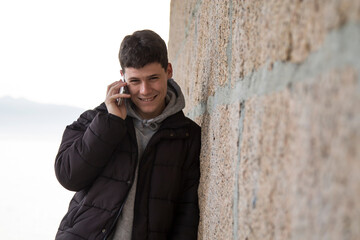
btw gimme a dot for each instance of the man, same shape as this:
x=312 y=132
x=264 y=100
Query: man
x=135 y=165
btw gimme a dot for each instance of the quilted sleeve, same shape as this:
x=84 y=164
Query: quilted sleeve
x=86 y=147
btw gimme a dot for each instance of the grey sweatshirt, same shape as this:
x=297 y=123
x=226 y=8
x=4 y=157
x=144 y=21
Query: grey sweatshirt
x=144 y=130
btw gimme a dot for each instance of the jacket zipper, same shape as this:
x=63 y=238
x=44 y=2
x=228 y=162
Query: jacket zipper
x=122 y=206
x=117 y=217
x=132 y=182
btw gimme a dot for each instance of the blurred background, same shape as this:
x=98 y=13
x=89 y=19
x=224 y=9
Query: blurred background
x=56 y=58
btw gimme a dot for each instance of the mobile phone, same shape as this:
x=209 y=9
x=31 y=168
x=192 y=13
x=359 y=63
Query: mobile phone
x=122 y=90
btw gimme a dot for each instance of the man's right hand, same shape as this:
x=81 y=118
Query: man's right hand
x=112 y=95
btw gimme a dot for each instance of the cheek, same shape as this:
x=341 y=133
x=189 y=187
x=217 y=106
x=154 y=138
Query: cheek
x=131 y=90
x=163 y=88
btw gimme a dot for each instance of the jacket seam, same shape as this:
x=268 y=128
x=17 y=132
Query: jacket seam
x=167 y=165
x=100 y=139
x=163 y=199
x=72 y=233
x=77 y=149
x=94 y=206
x=164 y=232
x=113 y=179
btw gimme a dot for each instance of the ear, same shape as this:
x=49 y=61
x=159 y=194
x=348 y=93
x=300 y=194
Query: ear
x=121 y=72
x=169 y=71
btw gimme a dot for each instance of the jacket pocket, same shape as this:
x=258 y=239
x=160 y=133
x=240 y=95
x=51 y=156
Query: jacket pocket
x=74 y=208
x=67 y=220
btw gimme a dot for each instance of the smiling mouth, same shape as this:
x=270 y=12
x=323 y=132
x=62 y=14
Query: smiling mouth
x=148 y=99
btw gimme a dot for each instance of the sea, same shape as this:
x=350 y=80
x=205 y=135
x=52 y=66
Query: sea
x=32 y=201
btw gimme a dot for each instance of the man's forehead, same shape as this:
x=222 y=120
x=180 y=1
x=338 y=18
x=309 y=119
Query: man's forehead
x=146 y=71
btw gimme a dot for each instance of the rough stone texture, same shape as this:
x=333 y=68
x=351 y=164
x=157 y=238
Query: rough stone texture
x=275 y=86
x=218 y=172
x=298 y=180
x=215 y=39
x=205 y=39
x=273 y=30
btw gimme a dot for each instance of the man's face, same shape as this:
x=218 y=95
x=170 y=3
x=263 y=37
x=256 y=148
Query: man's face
x=148 y=88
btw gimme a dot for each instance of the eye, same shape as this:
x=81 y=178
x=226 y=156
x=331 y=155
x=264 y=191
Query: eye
x=154 y=78
x=134 y=81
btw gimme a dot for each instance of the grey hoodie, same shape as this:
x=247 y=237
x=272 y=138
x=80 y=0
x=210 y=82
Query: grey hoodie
x=145 y=129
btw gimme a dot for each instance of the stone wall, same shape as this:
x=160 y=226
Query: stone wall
x=275 y=86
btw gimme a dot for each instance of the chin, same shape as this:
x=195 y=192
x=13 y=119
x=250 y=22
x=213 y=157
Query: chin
x=148 y=111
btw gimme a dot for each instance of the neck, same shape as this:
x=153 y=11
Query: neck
x=147 y=116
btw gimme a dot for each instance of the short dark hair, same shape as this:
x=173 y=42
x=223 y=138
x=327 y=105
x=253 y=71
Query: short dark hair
x=141 y=48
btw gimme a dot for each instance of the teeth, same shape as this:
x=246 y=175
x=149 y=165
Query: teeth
x=147 y=99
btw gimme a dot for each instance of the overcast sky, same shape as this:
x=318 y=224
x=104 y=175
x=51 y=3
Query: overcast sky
x=65 y=52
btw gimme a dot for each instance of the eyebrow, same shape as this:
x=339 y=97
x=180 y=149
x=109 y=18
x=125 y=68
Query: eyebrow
x=153 y=75
x=147 y=77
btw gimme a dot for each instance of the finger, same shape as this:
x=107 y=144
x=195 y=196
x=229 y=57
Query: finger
x=120 y=98
x=111 y=85
x=119 y=95
x=115 y=97
x=115 y=87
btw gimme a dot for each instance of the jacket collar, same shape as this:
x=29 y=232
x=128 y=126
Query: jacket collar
x=171 y=123
x=177 y=120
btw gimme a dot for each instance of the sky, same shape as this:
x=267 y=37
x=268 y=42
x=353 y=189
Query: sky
x=65 y=52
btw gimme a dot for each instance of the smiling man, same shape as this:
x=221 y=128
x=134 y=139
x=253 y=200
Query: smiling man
x=148 y=88
x=134 y=165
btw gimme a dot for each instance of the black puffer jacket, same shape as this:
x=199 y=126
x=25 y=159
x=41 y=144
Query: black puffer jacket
x=97 y=158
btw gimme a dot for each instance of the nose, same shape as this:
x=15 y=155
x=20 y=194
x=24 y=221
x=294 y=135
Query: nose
x=145 y=88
